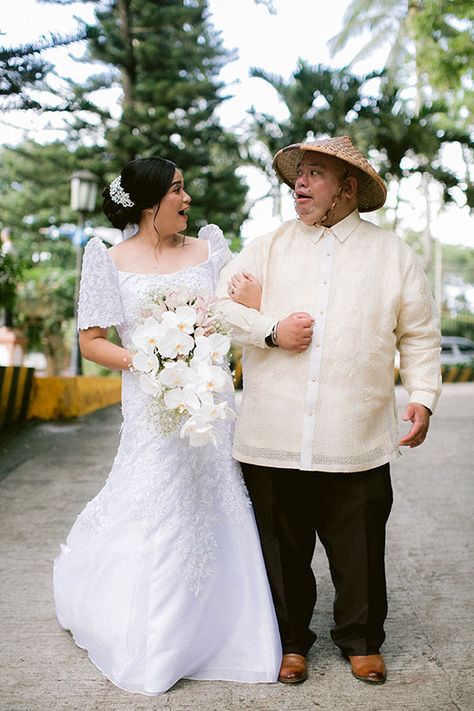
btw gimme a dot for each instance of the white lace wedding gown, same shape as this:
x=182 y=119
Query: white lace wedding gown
x=162 y=576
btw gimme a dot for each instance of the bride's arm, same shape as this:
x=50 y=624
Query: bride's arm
x=245 y=289
x=95 y=346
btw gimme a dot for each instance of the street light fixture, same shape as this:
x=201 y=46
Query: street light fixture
x=83 y=196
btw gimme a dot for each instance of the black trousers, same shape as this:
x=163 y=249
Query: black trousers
x=348 y=512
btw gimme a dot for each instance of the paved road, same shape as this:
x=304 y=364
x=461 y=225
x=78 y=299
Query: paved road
x=48 y=471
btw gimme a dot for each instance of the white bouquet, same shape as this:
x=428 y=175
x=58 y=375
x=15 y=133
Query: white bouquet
x=182 y=345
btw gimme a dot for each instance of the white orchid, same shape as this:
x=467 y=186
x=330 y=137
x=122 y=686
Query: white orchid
x=176 y=374
x=211 y=378
x=183 y=318
x=145 y=362
x=199 y=431
x=145 y=337
x=182 y=399
x=211 y=349
x=217 y=411
x=172 y=342
x=149 y=385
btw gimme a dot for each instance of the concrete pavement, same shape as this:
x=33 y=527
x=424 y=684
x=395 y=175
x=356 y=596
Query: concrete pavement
x=49 y=470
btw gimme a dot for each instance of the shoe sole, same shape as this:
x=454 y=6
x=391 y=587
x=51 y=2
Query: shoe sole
x=363 y=678
x=367 y=680
x=299 y=680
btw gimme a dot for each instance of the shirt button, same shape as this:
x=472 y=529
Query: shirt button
x=313 y=378
x=328 y=254
x=321 y=312
x=317 y=345
x=325 y=281
x=311 y=413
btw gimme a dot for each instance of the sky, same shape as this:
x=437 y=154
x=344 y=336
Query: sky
x=301 y=28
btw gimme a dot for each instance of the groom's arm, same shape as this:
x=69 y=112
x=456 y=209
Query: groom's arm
x=249 y=326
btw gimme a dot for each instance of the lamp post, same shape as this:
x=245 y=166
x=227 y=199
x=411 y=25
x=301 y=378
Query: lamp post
x=83 y=195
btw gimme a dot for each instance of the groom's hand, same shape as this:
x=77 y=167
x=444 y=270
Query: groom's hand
x=294 y=332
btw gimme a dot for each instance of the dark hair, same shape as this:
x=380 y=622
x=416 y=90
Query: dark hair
x=147 y=181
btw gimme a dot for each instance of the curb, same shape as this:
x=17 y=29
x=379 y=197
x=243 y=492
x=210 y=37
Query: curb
x=58 y=398
x=16 y=385
x=26 y=397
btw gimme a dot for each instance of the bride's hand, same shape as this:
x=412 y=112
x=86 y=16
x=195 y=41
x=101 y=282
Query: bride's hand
x=245 y=289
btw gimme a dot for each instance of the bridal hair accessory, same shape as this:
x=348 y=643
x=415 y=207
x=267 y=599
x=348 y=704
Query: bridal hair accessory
x=118 y=194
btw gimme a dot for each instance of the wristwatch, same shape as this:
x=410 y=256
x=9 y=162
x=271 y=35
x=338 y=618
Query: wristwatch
x=271 y=339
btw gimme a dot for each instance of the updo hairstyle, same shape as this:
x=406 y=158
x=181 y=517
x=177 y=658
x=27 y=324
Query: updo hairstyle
x=146 y=180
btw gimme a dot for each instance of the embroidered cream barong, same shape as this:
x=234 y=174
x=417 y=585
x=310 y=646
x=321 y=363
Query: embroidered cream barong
x=332 y=407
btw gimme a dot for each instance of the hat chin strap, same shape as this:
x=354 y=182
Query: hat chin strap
x=330 y=212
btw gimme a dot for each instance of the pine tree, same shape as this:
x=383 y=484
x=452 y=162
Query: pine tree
x=35 y=196
x=166 y=57
x=23 y=68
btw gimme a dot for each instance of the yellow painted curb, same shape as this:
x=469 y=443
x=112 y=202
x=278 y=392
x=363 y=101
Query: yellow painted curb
x=15 y=391
x=57 y=398
x=467 y=375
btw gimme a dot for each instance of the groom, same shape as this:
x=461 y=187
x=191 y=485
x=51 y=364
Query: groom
x=318 y=425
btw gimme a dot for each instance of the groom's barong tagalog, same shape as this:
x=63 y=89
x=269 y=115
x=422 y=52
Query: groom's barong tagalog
x=332 y=407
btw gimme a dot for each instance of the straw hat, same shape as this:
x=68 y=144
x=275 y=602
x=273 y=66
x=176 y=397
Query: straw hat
x=372 y=190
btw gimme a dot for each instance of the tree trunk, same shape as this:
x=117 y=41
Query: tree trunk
x=414 y=7
x=427 y=236
x=129 y=70
x=397 y=204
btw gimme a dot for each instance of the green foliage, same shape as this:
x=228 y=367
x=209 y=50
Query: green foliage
x=166 y=57
x=45 y=302
x=459 y=261
x=8 y=275
x=35 y=195
x=407 y=141
x=462 y=325
x=22 y=68
x=384 y=21
x=445 y=30
x=320 y=101
x=431 y=49
x=10 y=271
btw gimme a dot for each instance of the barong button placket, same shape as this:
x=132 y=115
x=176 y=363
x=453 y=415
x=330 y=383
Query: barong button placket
x=316 y=351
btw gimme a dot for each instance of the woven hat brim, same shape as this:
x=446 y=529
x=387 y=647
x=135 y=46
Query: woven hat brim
x=372 y=190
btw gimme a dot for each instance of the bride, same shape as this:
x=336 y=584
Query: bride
x=161 y=577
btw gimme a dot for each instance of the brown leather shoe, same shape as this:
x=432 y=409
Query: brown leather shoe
x=370 y=668
x=293 y=670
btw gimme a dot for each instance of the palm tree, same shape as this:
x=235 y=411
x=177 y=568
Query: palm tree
x=320 y=102
x=387 y=21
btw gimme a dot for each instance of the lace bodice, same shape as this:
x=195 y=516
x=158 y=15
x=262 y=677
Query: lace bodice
x=109 y=297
